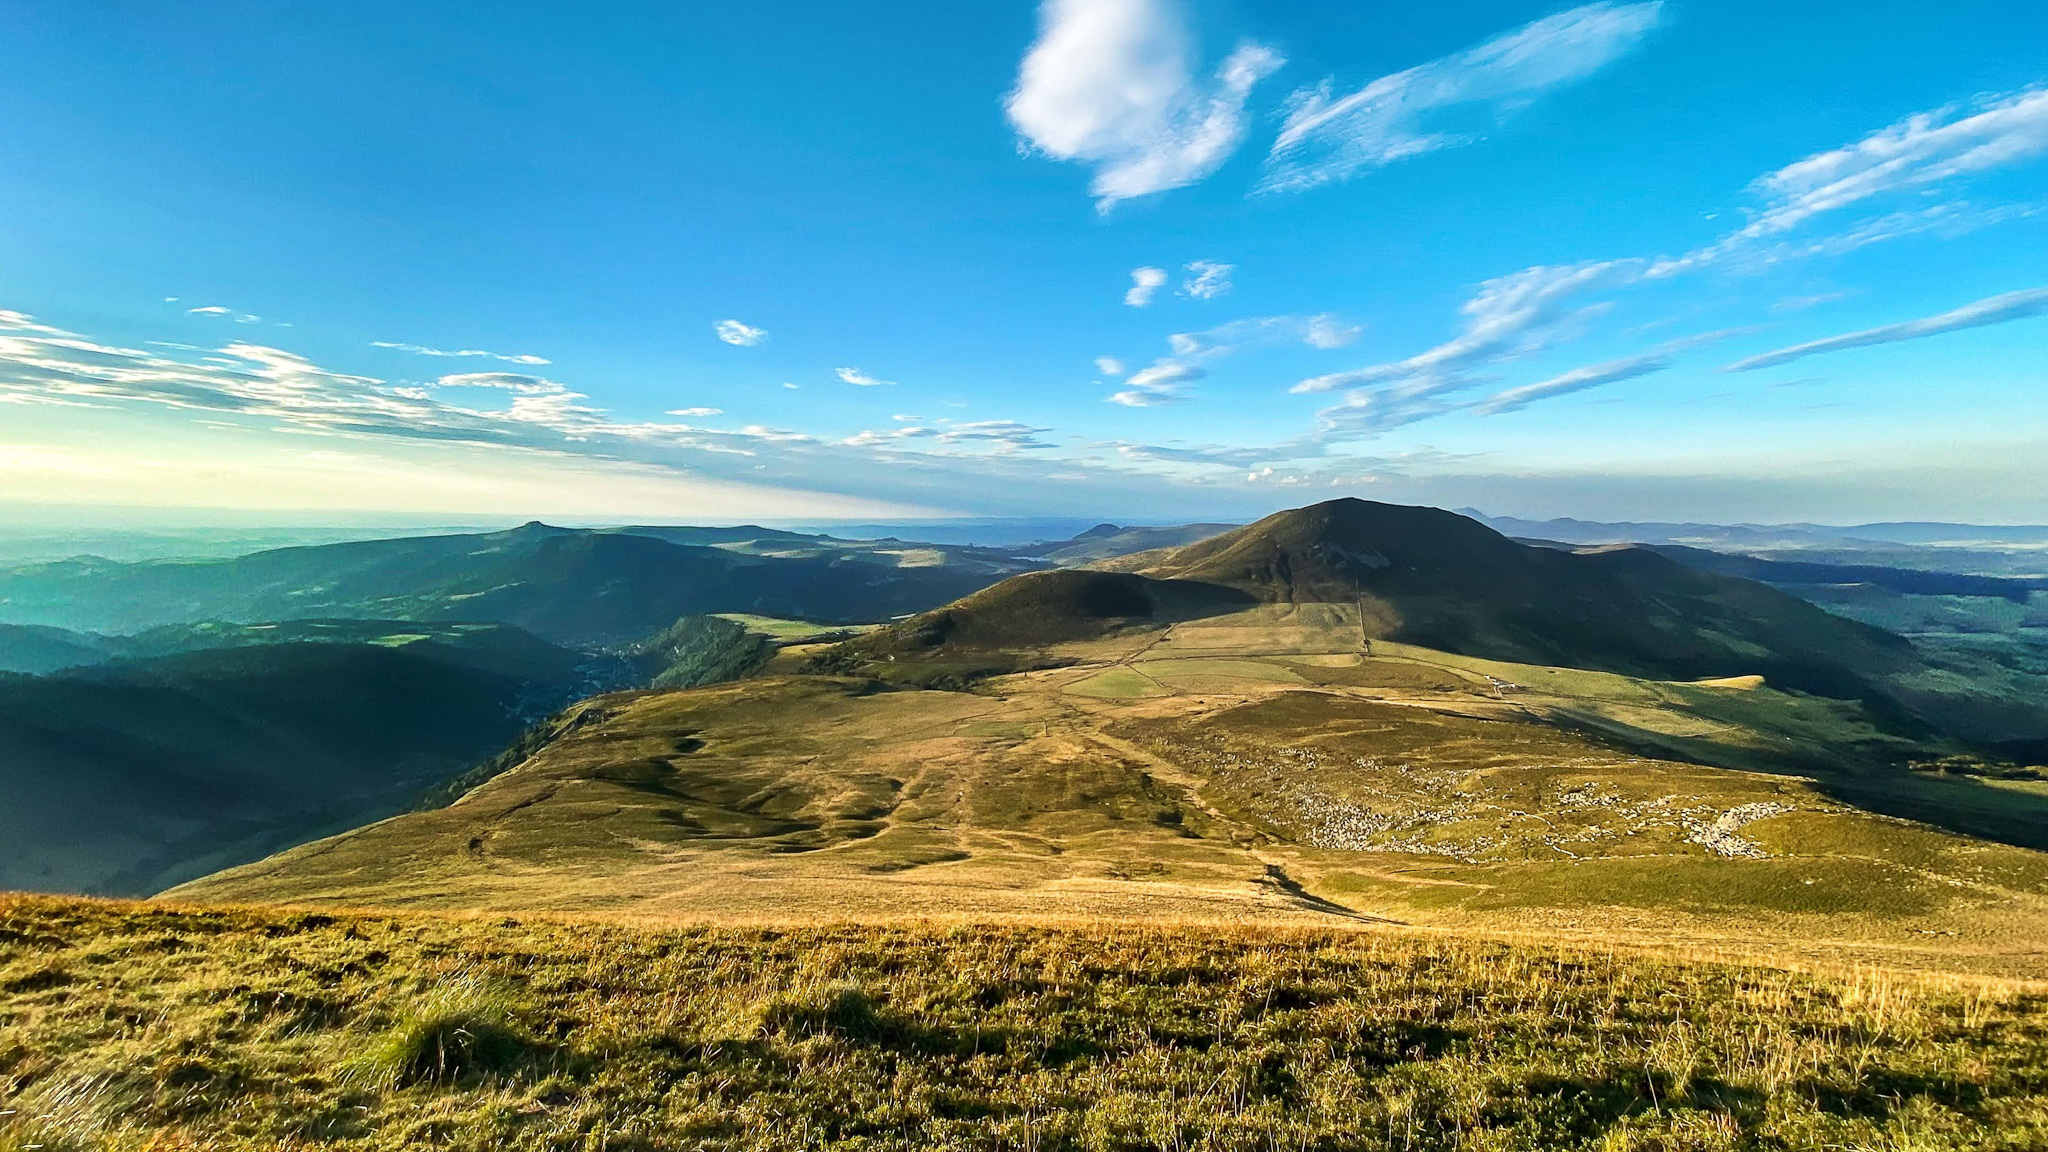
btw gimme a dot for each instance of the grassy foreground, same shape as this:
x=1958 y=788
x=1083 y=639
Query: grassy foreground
x=125 y=1025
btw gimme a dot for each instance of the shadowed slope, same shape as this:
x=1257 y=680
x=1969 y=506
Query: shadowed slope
x=123 y=778
x=1009 y=626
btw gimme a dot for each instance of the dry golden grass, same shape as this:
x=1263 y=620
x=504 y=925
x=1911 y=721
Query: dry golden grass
x=177 y=1027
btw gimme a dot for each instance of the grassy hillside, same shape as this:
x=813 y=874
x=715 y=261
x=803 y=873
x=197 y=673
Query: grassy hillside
x=1242 y=765
x=1012 y=625
x=127 y=777
x=130 y=1026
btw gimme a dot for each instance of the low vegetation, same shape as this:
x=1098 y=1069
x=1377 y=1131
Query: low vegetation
x=148 y=1026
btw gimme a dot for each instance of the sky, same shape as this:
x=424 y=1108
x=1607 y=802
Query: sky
x=1141 y=260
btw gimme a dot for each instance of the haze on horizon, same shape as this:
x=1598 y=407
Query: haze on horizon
x=1119 y=259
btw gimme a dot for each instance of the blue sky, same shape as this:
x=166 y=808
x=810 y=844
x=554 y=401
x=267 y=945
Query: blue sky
x=1141 y=259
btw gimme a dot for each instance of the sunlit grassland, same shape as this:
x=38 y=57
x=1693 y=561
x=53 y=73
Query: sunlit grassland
x=134 y=1025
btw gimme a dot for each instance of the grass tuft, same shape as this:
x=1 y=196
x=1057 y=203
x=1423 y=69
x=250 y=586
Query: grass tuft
x=824 y=1008
x=461 y=1030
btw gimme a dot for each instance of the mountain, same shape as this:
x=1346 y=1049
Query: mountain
x=1906 y=581
x=125 y=776
x=1436 y=579
x=1108 y=540
x=33 y=648
x=1770 y=537
x=570 y=586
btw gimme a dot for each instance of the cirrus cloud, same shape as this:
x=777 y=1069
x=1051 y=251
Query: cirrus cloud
x=1330 y=138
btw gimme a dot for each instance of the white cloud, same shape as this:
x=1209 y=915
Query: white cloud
x=1165 y=374
x=1000 y=436
x=1327 y=137
x=1138 y=399
x=1109 y=366
x=905 y=418
x=1326 y=331
x=1994 y=310
x=856 y=376
x=791 y=387
x=1919 y=155
x=696 y=412
x=1111 y=83
x=210 y=310
x=739 y=335
x=1206 y=280
x=1509 y=316
x=1160 y=383
x=1144 y=282
x=1576 y=380
x=1921 y=150
x=421 y=350
x=23 y=322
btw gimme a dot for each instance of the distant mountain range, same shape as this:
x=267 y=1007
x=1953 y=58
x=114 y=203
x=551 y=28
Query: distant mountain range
x=1927 y=534
x=571 y=586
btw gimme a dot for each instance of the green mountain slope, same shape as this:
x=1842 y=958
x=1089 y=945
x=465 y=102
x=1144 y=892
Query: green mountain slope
x=125 y=777
x=33 y=648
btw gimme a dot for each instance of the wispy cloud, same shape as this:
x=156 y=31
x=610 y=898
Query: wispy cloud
x=1206 y=280
x=1144 y=282
x=224 y=312
x=856 y=376
x=1994 y=310
x=1109 y=366
x=1921 y=150
x=1164 y=381
x=1002 y=437
x=1141 y=398
x=1576 y=380
x=1329 y=137
x=1160 y=383
x=1326 y=332
x=995 y=466
x=739 y=335
x=1509 y=316
x=1112 y=84
x=422 y=350
x=1924 y=154
x=1521 y=313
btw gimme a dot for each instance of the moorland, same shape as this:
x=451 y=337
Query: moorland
x=1359 y=825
